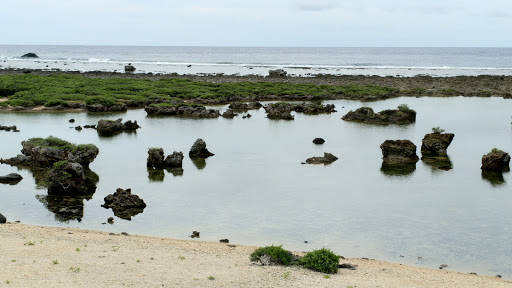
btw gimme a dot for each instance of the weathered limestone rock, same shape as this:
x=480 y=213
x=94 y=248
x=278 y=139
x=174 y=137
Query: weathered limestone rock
x=435 y=144
x=198 y=150
x=68 y=178
x=124 y=204
x=397 y=116
x=399 y=151
x=277 y=73
x=327 y=159
x=496 y=160
x=129 y=68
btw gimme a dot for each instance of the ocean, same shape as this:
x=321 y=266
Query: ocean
x=442 y=62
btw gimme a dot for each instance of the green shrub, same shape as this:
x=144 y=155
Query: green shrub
x=437 y=130
x=276 y=253
x=496 y=150
x=105 y=101
x=404 y=107
x=323 y=260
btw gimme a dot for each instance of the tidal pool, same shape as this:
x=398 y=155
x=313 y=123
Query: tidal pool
x=255 y=191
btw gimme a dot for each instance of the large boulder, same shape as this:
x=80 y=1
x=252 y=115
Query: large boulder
x=399 y=151
x=124 y=204
x=68 y=178
x=155 y=157
x=41 y=152
x=496 y=160
x=435 y=144
x=198 y=150
x=277 y=73
x=280 y=111
x=327 y=159
x=402 y=115
x=3 y=220
x=30 y=55
x=11 y=179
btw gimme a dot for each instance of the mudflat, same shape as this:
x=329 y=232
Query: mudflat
x=36 y=256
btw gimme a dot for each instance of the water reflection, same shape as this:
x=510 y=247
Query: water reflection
x=200 y=163
x=493 y=177
x=397 y=168
x=438 y=162
x=158 y=174
x=65 y=207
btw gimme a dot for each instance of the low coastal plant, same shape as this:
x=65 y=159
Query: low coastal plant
x=55 y=261
x=77 y=249
x=181 y=257
x=404 y=107
x=138 y=260
x=29 y=243
x=286 y=274
x=323 y=260
x=327 y=276
x=75 y=269
x=276 y=253
x=496 y=150
x=211 y=277
x=13 y=260
x=437 y=130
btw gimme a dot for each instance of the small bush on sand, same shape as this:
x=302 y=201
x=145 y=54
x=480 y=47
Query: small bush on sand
x=323 y=260
x=276 y=253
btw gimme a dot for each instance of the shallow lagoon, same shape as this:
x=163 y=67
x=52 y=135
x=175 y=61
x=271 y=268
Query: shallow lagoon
x=254 y=191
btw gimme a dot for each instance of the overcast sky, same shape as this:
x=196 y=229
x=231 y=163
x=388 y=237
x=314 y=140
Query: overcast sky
x=308 y=23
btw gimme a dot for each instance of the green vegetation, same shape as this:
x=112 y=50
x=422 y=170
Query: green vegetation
x=437 y=130
x=115 y=248
x=211 y=277
x=77 y=249
x=138 y=260
x=404 y=107
x=496 y=150
x=327 y=276
x=75 y=269
x=323 y=260
x=286 y=274
x=54 y=142
x=55 y=261
x=276 y=253
x=60 y=89
x=13 y=260
x=29 y=243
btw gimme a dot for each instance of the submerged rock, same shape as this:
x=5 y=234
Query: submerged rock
x=402 y=115
x=11 y=179
x=435 y=144
x=399 y=151
x=106 y=108
x=129 y=68
x=198 y=150
x=282 y=110
x=124 y=204
x=397 y=168
x=327 y=159
x=496 y=160
x=12 y=128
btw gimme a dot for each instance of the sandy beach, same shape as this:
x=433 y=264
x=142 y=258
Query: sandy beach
x=35 y=256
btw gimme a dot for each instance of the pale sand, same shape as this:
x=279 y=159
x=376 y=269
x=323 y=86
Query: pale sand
x=3 y=99
x=105 y=260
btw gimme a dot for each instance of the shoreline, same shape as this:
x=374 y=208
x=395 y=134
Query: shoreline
x=70 y=257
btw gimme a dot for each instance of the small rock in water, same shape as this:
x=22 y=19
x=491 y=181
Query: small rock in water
x=318 y=141
x=78 y=128
x=499 y=276
x=224 y=241
x=125 y=234
x=110 y=220
x=195 y=234
x=306 y=242
x=3 y=220
x=473 y=273
x=443 y=265
x=71 y=120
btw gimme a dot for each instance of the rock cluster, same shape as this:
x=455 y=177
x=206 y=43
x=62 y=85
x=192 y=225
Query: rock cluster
x=106 y=108
x=156 y=159
x=182 y=110
x=390 y=116
x=111 y=127
x=124 y=204
x=12 y=128
x=282 y=110
x=277 y=73
x=245 y=106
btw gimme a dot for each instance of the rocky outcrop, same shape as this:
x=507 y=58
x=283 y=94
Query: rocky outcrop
x=11 y=179
x=277 y=73
x=106 y=108
x=30 y=55
x=41 y=152
x=496 y=160
x=198 y=150
x=156 y=159
x=245 y=106
x=398 y=151
x=435 y=144
x=327 y=159
x=282 y=110
x=68 y=178
x=111 y=127
x=279 y=111
x=318 y=141
x=229 y=114
x=12 y=128
x=3 y=220
x=129 y=68
x=189 y=111
x=124 y=204
x=402 y=115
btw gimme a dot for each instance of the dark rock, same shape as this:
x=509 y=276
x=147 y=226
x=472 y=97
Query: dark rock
x=3 y=220
x=280 y=111
x=129 y=68
x=230 y=114
x=247 y=116
x=41 y=152
x=347 y=266
x=30 y=55
x=198 y=150
x=175 y=160
x=277 y=73
x=182 y=111
x=26 y=71
x=71 y=120
x=90 y=126
x=78 y=128
x=109 y=127
x=435 y=144
x=155 y=157
x=397 y=168
x=195 y=234
x=104 y=108
x=11 y=179
x=318 y=141
x=224 y=241
x=496 y=160
x=130 y=126
x=110 y=220
x=396 y=116
x=124 y=204
x=327 y=159
x=245 y=106
x=68 y=178
x=399 y=151
x=12 y=128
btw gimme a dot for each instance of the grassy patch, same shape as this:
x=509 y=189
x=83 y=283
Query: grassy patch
x=276 y=253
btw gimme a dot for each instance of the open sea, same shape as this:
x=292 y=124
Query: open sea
x=258 y=60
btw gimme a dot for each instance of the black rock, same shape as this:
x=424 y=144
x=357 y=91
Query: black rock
x=11 y=179
x=30 y=55
x=71 y=120
x=78 y=128
x=195 y=234
x=198 y=150
x=3 y=220
x=224 y=241
x=327 y=159
x=347 y=266
x=318 y=141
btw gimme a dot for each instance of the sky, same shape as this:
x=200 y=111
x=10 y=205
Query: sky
x=282 y=23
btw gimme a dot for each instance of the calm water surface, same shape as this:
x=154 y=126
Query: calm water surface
x=255 y=191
